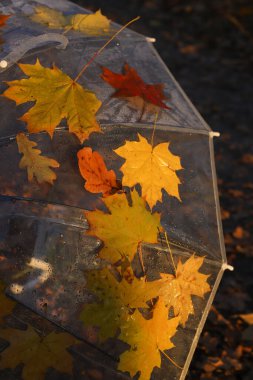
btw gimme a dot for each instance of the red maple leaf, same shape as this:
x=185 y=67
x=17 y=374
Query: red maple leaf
x=130 y=84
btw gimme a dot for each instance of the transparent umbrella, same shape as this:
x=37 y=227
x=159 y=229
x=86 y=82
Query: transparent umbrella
x=110 y=225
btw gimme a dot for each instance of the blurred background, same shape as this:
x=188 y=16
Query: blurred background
x=208 y=46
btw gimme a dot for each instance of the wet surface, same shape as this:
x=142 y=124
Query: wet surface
x=208 y=47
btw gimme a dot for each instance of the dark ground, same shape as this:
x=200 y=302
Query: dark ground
x=208 y=46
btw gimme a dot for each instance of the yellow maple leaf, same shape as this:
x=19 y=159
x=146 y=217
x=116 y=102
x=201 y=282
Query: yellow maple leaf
x=51 y=17
x=124 y=228
x=36 y=353
x=6 y=304
x=178 y=290
x=57 y=97
x=147 y=338
x=37 y=166
x=153 y=168
x=94 y=24
x=115 y=299
x=91 y=24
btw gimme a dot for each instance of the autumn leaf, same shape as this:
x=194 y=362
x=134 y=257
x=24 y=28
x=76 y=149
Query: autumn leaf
x=124 y=228
x=93 y=169
x=6 y=304
x=178 y=290
x=57 y=97
x=37 y=166
x=51 y=17
x=3 y=19
x=115 y=299
x=91 y=24
x=147 y=339
x=36 y=353
x=130 y=84
x=153 y=168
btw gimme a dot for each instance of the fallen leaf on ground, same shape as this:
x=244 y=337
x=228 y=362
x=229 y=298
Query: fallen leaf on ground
x=240 y=233
x=37 y=166
x=92 y=24
x=247 y=158
x=178 y=289
x=6 y=304
x=124 y=228
x=93 y=169
x=131 y=84
x=190 y=49
x=147 y=338
x=3 y=19
x=248 y=318
x=36 y=353
x=57 y=97
x=153 y=168
x=115 y=299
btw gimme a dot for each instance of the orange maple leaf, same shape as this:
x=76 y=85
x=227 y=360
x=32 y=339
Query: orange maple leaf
x=93 y=169
x=178 y=289
x=3 y=19
x=130 y=84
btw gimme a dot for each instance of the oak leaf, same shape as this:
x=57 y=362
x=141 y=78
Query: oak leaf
x=154 y=168
x=147 y=339
x=37 y=166
x=124 y=228
x=6 y=304
x=93 y=169
x=3 y=19
x=115 y=299
x=130 y=84
x=91 y=24
x=36 y=353
x=178 y=289
x=57 y=97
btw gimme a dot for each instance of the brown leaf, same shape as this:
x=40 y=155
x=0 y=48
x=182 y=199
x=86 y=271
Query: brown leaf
x=37 y=166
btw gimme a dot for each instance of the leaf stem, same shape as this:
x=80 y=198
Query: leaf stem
x=103 y=47
x=153 y=133
x=141 y=258
x=171 y=360
x=67 y=29
x=170 y=251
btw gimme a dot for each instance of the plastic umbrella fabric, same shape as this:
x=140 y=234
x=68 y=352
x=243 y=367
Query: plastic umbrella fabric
x=110 y=225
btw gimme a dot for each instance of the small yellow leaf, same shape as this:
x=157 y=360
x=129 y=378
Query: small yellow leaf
x=6 y=304
x=153 y=168
x=147 y=338
x=124 y=228
x=94 y=24
x=178 y=290
x=57 y=97
x=36 y=353
x=51 y=17
x=37 y=166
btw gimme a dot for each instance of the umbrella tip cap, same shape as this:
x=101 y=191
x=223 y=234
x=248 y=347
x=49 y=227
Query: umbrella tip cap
x=214 y=134
x=226 y=266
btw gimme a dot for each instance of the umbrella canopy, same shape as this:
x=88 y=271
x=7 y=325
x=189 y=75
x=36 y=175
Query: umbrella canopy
x=109 y=223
